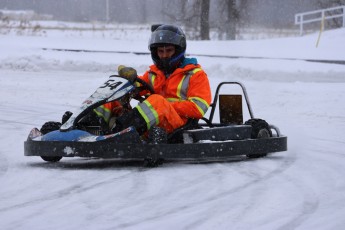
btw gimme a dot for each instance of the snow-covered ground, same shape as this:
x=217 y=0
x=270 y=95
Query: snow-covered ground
x=303 y=188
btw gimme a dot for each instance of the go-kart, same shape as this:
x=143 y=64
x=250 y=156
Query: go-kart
x=199 y=140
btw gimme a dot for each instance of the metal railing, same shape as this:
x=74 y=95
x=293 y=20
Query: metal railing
x=319 y=16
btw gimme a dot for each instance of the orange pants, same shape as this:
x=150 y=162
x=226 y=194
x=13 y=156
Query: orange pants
x=156 y=110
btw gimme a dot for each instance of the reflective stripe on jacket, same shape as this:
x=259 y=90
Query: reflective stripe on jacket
x=108 y=110
x=187 y=89
x=156 y=110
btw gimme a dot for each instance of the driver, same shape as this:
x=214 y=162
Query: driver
x=182 y=90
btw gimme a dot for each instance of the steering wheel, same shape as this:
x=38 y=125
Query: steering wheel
x=145 y=86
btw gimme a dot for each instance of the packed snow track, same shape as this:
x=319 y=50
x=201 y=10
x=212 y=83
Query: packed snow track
x=297 y=189
x=302 y=188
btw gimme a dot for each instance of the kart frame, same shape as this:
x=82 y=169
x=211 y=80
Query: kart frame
x=213 y=141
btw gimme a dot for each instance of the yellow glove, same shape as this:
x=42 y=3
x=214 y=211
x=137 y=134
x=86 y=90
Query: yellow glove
x=127 y=72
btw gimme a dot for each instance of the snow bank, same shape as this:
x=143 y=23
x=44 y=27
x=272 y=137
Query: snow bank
x=254 y=60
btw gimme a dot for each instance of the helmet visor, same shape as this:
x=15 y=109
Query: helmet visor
x=165 y=37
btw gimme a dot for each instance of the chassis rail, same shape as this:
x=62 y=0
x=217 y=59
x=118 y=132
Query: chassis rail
x=196 y=151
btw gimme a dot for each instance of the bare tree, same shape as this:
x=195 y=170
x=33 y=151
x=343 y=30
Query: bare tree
x=193 y=15
x=204 y=20
x=330 y=3
x=229 y=17
x=335 y=22
x=232 y=20
x=243 y=12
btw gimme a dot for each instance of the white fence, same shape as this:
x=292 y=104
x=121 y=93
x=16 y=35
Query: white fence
x=319 y=16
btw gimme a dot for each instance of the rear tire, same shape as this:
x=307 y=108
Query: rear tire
x=260 y=129
x=47 y=128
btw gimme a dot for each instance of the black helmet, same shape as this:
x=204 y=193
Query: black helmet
x=167 y=35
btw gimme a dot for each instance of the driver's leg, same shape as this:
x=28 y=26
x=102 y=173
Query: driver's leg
x=157 y=111
x=154 y=111
x=131 y=118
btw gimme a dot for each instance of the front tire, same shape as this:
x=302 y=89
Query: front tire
x=47 y=128
x=260 y=129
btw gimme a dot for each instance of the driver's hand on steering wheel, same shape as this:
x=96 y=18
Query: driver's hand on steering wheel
x=127 y=72
x=142 y=88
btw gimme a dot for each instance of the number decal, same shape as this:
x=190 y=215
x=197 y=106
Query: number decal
x=111 y=84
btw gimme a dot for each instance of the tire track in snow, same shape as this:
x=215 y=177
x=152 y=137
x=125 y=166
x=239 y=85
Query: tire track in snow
x=25 y=117
x=3 y=164
x=209 y=200
x=141 y=193
x=308 y=207
x=168 y=193
x=257 y=180
x=257 y=185
x=69 y=191
x=331 y=166
x=24 y=114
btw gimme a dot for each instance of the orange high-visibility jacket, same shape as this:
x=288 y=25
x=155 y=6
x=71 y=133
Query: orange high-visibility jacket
x=187 y=90
x=185 y=94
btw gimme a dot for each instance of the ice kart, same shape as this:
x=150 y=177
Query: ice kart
x=198 y=140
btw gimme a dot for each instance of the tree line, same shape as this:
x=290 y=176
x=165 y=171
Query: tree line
x=198 y=17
